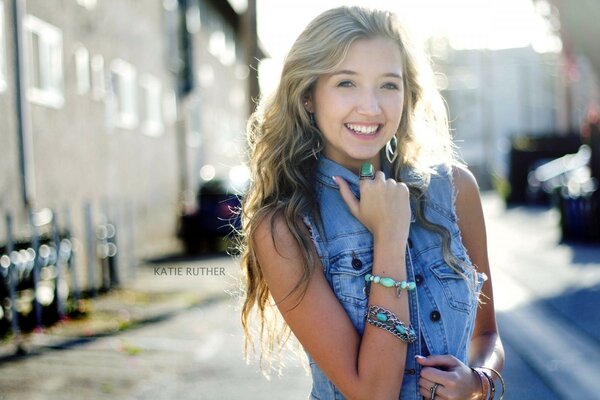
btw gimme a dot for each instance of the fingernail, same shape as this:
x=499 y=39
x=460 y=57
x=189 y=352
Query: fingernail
x=419 y=357
x=334 y=180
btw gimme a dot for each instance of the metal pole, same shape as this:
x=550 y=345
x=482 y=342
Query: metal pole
x=72 y=253
x=12 y=284
x=26 y=160
x=35 y=245
x=60 y=261
x=90 y=236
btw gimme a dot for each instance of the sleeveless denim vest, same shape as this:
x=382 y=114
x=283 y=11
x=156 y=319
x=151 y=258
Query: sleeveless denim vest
x=442 y=308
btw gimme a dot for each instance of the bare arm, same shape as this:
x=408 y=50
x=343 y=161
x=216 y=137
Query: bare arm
x=486 y=347
x=456 y=379
x=362 y=368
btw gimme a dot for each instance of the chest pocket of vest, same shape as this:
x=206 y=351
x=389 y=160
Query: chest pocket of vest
x=455 y=287
x=348 y=272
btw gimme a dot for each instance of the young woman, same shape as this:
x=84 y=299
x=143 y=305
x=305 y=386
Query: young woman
x=361 y=228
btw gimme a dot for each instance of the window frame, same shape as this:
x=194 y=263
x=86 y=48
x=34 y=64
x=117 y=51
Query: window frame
x=151 y=114
x=98 y=76
x=123 y=77
x=81 y=56
x=48 y=88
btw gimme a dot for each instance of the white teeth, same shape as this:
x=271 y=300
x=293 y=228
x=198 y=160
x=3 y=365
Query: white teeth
x=362 y=129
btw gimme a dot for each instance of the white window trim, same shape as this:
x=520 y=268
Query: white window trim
x=151 y=86
x=82 y=69
x=51 y=36
x=88 y=4
x=127 y=72
x=98 y=77
x=3 y=68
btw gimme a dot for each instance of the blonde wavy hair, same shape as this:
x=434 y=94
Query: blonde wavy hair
x=283 y=145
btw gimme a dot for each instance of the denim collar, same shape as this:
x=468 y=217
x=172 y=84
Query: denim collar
x=327 y=169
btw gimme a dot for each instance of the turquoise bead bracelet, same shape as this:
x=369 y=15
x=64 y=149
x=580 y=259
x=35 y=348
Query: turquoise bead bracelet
x=387 y=320
x=389 y=282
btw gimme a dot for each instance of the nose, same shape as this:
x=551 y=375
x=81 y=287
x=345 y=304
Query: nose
x=369 y=103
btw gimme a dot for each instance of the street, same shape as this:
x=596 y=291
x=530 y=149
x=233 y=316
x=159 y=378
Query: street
x=543 y=293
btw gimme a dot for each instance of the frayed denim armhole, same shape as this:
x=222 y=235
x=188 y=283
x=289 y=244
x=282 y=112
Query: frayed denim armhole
x=315 y=237
x=479 y=278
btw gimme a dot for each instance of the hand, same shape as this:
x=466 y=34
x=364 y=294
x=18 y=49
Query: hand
x=456 y=380
x=384 y=206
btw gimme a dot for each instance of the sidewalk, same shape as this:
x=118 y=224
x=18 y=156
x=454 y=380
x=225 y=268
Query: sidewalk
x=161 y=289
x=545 y=292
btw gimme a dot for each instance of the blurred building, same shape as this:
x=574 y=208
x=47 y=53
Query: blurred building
x=110 y=108
x=496 y=95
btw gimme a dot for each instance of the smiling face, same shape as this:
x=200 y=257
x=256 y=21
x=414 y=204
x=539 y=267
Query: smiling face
x=359 y=106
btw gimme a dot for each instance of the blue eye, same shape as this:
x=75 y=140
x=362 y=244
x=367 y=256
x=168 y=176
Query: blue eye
x=391 y=86
x=345 y=84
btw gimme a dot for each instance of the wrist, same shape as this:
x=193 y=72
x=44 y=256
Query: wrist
x=391 y=236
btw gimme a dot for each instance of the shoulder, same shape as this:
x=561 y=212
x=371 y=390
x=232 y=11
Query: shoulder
x=467 y=199
x=464 y=180
x=271 y=230
x=276 y=237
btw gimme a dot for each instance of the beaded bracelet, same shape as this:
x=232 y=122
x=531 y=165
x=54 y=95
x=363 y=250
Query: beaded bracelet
x=387 y=320
x=492 y=370
x=389 y=282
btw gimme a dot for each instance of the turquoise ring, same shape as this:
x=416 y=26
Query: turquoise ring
x=366 y=171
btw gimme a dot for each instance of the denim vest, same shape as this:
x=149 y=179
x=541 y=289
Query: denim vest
x=442 y=308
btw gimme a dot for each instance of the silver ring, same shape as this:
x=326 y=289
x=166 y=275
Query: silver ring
x=433 y=390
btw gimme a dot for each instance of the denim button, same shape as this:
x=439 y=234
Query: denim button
x=410 y=371
x=435 y=316
x=356 y=263
x=418 y=279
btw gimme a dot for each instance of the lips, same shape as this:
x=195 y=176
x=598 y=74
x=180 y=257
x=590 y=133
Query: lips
x=364 y=129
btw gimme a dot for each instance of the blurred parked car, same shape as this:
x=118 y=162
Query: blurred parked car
x=215 y=217
x=569 y=182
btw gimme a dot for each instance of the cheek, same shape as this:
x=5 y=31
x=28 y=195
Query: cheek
x=394 y=107
x=333 y=109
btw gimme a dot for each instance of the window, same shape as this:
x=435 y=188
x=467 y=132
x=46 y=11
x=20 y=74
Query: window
x=44 y=62
x=152 y=118
x=192 y=18
x=82 y=68
x=98 y=78
x=2 y=49
x=89 y=4
x=123 y=77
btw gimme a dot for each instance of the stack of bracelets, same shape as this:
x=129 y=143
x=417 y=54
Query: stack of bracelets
x=488 y=388
x=385 y=319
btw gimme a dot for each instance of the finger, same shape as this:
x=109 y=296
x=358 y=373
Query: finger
x=349 y=198
x=425 y=389
x=425 y=383
x=444 y=361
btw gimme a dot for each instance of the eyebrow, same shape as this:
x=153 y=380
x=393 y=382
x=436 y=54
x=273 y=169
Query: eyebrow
x=350 y=72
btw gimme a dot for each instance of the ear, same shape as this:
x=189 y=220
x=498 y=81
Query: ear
x=308 y=103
